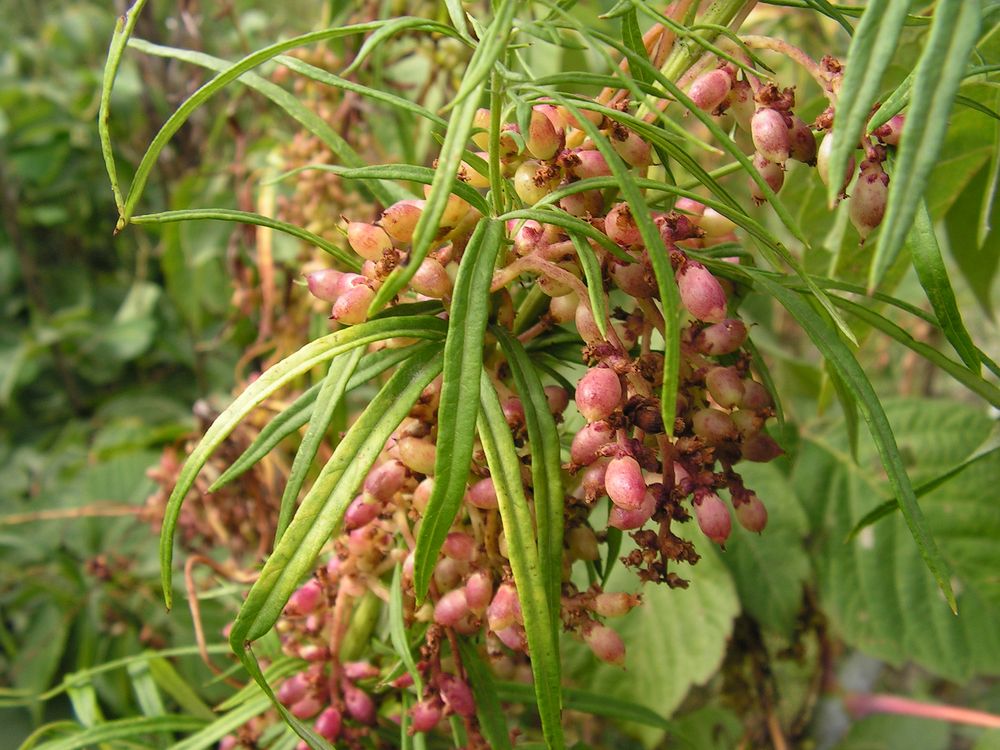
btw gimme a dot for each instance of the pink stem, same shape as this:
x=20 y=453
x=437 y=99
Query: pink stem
x=863 y=704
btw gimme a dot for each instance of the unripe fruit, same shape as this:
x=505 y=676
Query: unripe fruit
x=542 y=141
x=760 y=448
x=448 y=573
x=361 y=511
x=868 y=201
x=515 y=638
x=755 y=396
x=473 y=177
x=606 y=644
x=505 y=609
x=351 y=307
x=324 y=284
x=747 y=422
x=360 y=670
x=715 y=224
x=614 y=604
x=588 y=441
x=581 y=541
x=713 y=517
x=588 y=163
x=624 y=483
x=534 y=180
x=359 y=704
x=725 y=385
x=595 y=118
x=457 y=695
x=626 y=520
x=422 y=494
x=482 y=494
x=770 y=135
x=305 y=599
x=400 y=219
x=620 y=226
x=722 y=338
x=689 y=206
x=293 y=689
x=451 y=608
x=481 y=120
x=890 y=132
x=588 y=202
x=752 y=514
x=528 y=237
x=418 y=454
x=711 y=89
x=328 y=724
x=598 y=394
x=635 y=279
x=633 y=149
x=348 y=281
x=556 y=396
x=386 y=479
x=773 y=175
x=479 y=591
x=454 y=210
x=425 y=715
x=368 y=240
x=586 y=326
x=459 y=546
x=701 y=292
x=823 y=163
x=431 y=280
x=306 y=708
x=714 y=426
x=741 y=103
x=802 y=142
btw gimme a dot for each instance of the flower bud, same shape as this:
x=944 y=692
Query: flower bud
x=770 y=135
x=459 y=546
x=431 y=280
x=711 y=89
x=755 y=396
x=725 y=385
x=589 y=163
x=505 y=609
x=760 y=448
x=701 y=292
x=868 y=201
x=306 y=708
x=368 y=240
x=385 y=480
x=823 y=163
x=624 y=483
x=626 y=520
x=890 y=132
x=451 y=608
x=359 y=704
x=556 y=396
x=418 y=454
x=722 y=338
x=400 y=219
x=534 y=180
x=293 y=689
x=482 y=494
x=588 y=441
x=324 y=284
x=614 y=604
x=606 y=644
x=361 y=511
x=632 y=148
x=543 y=141
x=305 y=599
x=636 y=279
x=620 y=225
x=425 y=715
x=351 y=307
x=773 y=175
x=479 y=591
x=752 y=515
x=714 y=426
x=598 y=394
x=581 y=541
x=802 y=142
x=457 y=695
x=328 y=724
x=741 y=103
x=713 y=517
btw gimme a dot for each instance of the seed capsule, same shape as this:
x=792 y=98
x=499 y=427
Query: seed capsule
x=823 y=163
x=457 y=695
x=725 y=385
x=713 y=517
x=715 y=224
x=633 y=149
x=620 y=226
x=359 y=704
x=760 y=448
x=890 y=132
x=328 y=724
x=614 y=604
x=741 y=103
x=770 y=135
x=386 y=479
x=755 y=396
x=582 y=543
x=802 y=142
x=431 y=280
x=479 y=591
x=418 y=454
x=482 y=494
x=636 y=279
x=714 y=426
x=543 y=140
x=624 y=483
x=361 y=511
x=534 y=180
x=598 y=394
x=588 y=163
x=505 y=609
x=451 y=608
x=425 y=715
x=482 y=120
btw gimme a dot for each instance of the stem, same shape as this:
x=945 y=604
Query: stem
x=797 y=55
x=864 y=704
x=720 y=12
x=496 y=112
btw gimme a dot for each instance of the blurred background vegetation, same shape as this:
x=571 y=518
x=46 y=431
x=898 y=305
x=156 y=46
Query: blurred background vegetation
x=115 y=348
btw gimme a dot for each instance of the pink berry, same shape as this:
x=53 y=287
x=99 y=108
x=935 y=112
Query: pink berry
x=482 y=494
x=582 y=543
x=722 y=338
x=328 y=724
x=624 y=483
x=542 y=141
x=592 y=480
x=868 y=201
x=386 y=479
x=505 y=609
x=515 y=638
x=360 y=670
x=293 y=689
x=632 y=148
x=770 y=135
x=711 y=89
x=361 y=511
x=773 y=175
x=431 y=280
x=305 y=599
x=588 y=441
x=752 y=514
x=589 y=163
x=741 y=103
x=351 y=307
x=479 y=591
x=451 y=608
x=620 y=226
x=636 y=279
x=626 y=520
x=890 y=132
x=528 y=236
x=823 y=163
x=368 y=240
x=725 y=385
x=583 y=204
x=802 y=142
x=755 y=396
x=306 y=707
x=359 y=704
x=422 y=494
x=459 y=546
x=713 y=517
x=606 y=644
x=557 y=398
x=586 y=326
x=614 y=604
x=701 y=292
x=715 y=224
x=400 y=219
x=534 y=180
x=324 y=284
x=457 y=695
x=598 y=394
x=689 y=206
x=760 y=448
x=418 y=454
x=714 y=426
x=425 y=715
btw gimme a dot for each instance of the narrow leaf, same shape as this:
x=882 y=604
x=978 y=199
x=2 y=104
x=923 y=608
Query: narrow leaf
x=397 y=628
x=459 y=405
x=124 y=729
x=595 y=281
x=492 y=718
x=597 y=704
x=953 y=36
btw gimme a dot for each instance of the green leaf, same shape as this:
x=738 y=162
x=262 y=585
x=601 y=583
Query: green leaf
x=933 y=275
x=559 y=218
x=330 y=396
x=871 y=51
x=878 y=596
x=492 y=718
x=837 y=353
x=505 y=469
x=124 y=729
x=274 y=379
x=676 y=639
x=953 y=36
x=596 y=704
x=595 y=281
x=171 y=682
x=245 y=217
x=896 y=732
x=632 y=38
x=397 y=628
x=771 y=569
x=459 y=405
x=546 y=470
x=226 y=724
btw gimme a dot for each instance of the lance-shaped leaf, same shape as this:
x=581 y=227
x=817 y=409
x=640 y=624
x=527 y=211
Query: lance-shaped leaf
x=459 y=405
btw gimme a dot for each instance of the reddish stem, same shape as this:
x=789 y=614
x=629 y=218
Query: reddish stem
x=864 y=704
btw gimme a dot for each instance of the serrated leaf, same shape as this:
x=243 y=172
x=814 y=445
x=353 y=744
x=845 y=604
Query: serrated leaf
x=953 y=36
x=872 y=48
x=459 y=404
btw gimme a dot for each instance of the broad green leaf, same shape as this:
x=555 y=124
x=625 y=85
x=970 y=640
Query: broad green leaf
x=546 y=470
x=953 y=36
x=459 y=404
x=492 y=719
x=246 y=217
x=872 y=48
x=505 y=469
x=676 y=639
x=270 y=382
x=770 y=569
x=331 y=394
x=878 y=596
